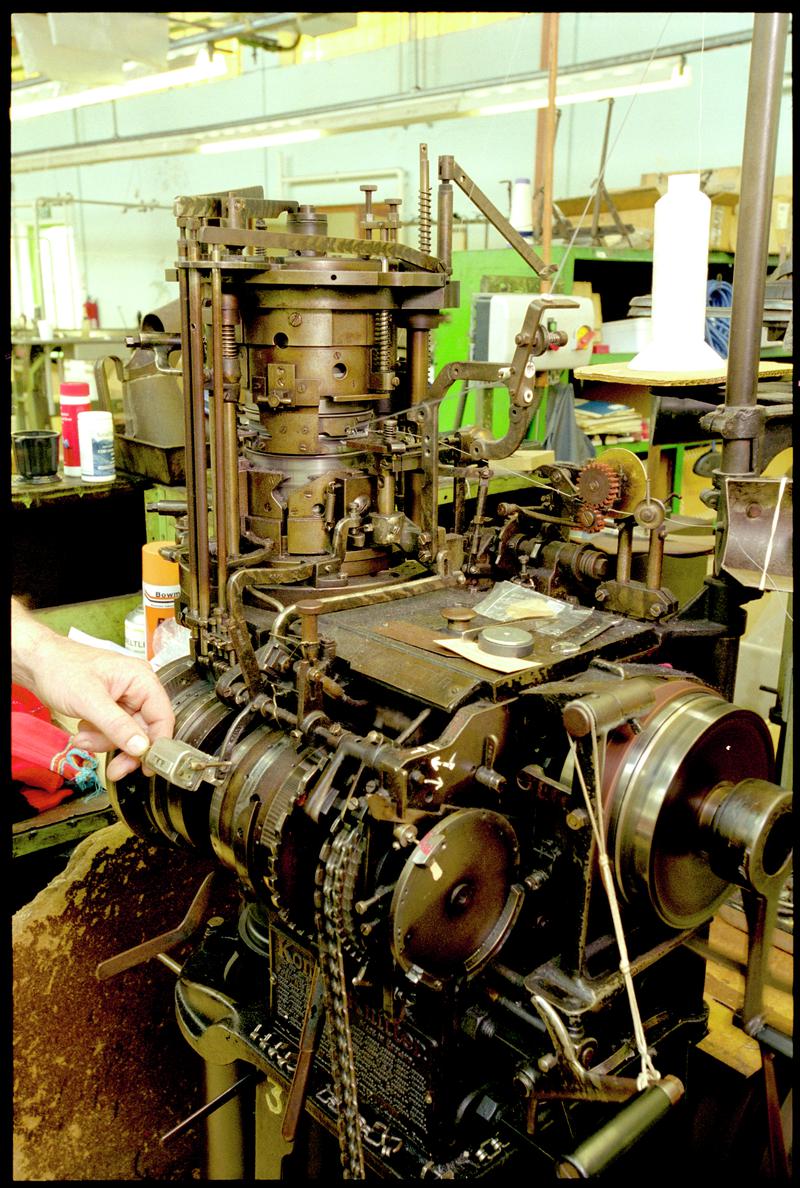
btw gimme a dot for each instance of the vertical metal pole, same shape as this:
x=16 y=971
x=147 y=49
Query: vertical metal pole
x=226 y=1157
x=767 y=57
x=194 y=344
x=625 y=550
x=218 y=434
x=188 y=415
x=444 y=227
x=601 y=175
x=547 y=200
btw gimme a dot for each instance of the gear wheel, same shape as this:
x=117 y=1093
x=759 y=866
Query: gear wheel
x=599 y=485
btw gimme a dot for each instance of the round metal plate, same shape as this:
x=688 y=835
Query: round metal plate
x=453 y=903
x=506 y=641
x=688 y=745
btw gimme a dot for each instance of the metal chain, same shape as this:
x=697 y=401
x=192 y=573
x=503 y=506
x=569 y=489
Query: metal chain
x=331 y=877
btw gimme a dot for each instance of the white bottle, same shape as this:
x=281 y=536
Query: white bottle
x=680 y=282
x=96 y=437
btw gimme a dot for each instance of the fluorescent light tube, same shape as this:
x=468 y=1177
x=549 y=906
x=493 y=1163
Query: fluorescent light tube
x=256 y=142
x=203 y=69
x=679 y=77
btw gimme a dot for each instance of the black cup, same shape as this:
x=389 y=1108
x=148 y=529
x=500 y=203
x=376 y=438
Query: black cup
x=36 y=452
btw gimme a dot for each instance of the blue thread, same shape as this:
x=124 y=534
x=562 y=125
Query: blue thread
x=85 y=778
x=718 y=330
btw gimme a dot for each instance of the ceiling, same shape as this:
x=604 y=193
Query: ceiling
x=88 y=49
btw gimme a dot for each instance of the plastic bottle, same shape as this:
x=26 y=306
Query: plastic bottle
x=161 y=585
x=521 y=216
x=680 y=279
x=96 y=438
x=74 y=398
x=135 y=631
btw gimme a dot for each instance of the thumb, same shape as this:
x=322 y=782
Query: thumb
x=121 y=730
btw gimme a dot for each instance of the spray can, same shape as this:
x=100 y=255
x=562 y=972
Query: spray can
x=161 y=585
x=74 y=399
x=96 y=440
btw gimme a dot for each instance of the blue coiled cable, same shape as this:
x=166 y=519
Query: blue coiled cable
x=718 y=330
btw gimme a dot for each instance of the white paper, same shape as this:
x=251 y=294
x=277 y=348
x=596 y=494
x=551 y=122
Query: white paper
x=471 y=651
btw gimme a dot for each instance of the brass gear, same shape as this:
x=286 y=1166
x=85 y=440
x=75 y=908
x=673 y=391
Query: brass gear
x=599 y=485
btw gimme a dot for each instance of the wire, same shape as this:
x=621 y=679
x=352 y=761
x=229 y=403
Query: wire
x=718 y=330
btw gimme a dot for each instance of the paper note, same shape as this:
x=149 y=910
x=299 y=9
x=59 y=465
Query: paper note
x=471 y=651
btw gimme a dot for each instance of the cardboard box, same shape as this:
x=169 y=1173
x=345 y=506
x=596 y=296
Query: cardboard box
x=712 y=181
x=780 y=226
x=635 y=207
x=723 y=223
x=781 y=220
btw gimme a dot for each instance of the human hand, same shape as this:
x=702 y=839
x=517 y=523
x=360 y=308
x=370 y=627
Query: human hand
x=119 y=700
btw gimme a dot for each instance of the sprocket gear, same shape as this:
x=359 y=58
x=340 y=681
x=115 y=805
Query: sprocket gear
x=599 y=485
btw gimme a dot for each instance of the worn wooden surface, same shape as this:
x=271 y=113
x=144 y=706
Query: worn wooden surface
x=724 y=993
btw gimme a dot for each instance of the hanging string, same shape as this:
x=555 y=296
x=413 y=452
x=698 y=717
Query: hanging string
x=648 y=1072
x=700 y=114
x=597 y=181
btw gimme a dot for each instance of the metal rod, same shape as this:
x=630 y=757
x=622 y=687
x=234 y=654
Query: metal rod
x=625 y=551
x=194 y=347
x=444 y=225
x=549 y=146
x=211 y=1106
x=767 y=58
x=188 y=413
x=655 y=560
x=230 y=452
x=601 y=173
x=216 y=423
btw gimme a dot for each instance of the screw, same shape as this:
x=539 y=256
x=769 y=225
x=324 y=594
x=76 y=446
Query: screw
x=601 y=596
x=535 y=879
x=577 y=818
x=654 y=610
x=295 y=319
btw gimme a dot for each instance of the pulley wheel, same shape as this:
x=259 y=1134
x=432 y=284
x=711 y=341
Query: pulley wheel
x=655 y=783
x=454 y=902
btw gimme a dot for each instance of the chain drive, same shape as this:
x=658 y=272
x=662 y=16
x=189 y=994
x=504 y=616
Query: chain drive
x=332 y=876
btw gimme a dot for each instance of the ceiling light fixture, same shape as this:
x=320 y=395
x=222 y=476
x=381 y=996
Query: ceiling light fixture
x=205 y=67
x=256 y=142
x=596 y=85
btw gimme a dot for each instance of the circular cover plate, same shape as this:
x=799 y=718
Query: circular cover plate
x=451 y=899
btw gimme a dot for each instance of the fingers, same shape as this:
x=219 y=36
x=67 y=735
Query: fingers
x=120 y=766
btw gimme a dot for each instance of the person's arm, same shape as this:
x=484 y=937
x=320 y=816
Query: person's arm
x=119 y=699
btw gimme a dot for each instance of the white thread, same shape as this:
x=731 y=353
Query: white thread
x=773 y=530
x=648 y=1071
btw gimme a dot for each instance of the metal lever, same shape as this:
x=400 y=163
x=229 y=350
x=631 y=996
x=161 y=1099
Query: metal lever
x=166 y=941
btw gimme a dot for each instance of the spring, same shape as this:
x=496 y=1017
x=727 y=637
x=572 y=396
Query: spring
x=425 y=221
x=230 y=347
x=383 y=341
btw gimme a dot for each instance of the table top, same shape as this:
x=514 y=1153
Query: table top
x=620 y=373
